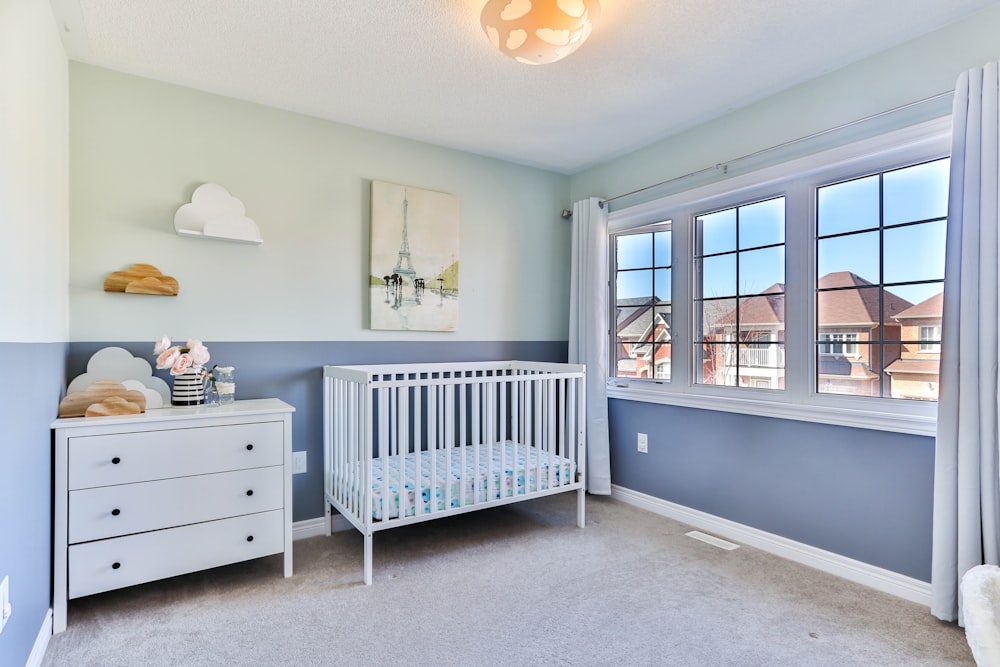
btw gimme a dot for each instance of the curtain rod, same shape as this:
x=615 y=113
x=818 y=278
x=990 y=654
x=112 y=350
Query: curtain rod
x=791 y=142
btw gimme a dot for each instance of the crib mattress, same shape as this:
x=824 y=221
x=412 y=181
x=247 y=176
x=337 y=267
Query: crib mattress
x=516 y=470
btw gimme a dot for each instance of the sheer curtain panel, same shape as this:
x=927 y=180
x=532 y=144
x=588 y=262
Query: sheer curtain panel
x=966 y=477
x=588 y=340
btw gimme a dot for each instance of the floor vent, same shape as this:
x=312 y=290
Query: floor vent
x=713 y=540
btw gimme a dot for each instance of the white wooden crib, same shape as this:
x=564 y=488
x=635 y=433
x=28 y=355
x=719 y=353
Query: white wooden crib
x=468 y=435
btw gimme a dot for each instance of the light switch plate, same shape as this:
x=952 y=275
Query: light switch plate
x=298 y=462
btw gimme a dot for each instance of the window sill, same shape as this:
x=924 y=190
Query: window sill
x=920 y=421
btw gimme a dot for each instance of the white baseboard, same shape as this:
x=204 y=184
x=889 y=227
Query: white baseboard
x=41 y=642
x=878 y=578
x=316 y=527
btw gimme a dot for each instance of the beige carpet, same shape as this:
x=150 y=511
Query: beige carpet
x=519 y=585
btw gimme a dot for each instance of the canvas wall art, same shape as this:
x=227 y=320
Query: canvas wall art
x=414 y=259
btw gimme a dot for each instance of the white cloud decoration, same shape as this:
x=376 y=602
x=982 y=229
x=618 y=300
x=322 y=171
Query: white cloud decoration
x=215 y=214
x=118 y=364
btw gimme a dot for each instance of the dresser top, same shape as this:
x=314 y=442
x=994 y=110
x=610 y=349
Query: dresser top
x=236 y=409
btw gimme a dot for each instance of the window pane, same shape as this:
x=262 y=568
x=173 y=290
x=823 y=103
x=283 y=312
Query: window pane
x=762 y=223
x=716 y=232
x=661 y=285
x=841 y=374
x=856 y=253
x=919 y=294
x=903 y=244
x=632 y=284
x=849 y=206
x=661 y=249
x=893 y=304
x=658 y=362
x=916 y=193
x=764 y=314
x=762 y=270
x=855 y=309
x=760 y=361
x=716 y=364
x=634 y=251
x=717 y=319
x=718 y=275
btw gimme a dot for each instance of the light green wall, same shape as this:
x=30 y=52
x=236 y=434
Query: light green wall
x=914 y=71
x=34 y=175
x=140 y=147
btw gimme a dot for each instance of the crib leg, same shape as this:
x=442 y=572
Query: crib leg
x=329 y=520
x=368 y=559
x=581 y=495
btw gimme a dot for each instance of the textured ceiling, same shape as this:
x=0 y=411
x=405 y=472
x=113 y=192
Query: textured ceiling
x=423 y=69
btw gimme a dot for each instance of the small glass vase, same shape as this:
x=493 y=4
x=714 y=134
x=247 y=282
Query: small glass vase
x=225 y=384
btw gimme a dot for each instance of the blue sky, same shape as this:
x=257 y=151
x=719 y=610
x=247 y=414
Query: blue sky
x=911 y=252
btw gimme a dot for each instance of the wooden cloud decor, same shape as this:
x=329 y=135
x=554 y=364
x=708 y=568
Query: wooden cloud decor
x=141 y=279
x=101 y=399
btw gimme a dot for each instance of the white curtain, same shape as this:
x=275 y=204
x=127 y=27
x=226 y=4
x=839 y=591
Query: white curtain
x=966 y=477
x=588 y=331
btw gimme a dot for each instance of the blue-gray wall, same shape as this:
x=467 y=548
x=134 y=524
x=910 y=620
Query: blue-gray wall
x=28 y=404
x=293 y=372
x=860 y=493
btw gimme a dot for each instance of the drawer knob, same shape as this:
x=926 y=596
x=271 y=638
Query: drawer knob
x=116 y=460
x=249 y=492
x=249 y=538
x=249 y=447
x=115 y=566
x=115 y=512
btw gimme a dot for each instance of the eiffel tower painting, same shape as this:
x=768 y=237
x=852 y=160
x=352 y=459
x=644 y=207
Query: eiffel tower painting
x=413 y=278
x=404 y=250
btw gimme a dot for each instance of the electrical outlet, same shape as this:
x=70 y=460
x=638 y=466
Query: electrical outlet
x=643 y=443
x=298 y=462
x=5 y=608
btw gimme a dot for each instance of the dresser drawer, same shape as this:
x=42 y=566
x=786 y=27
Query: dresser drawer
x=122 y=458
x=123 y=561
x=110 y=511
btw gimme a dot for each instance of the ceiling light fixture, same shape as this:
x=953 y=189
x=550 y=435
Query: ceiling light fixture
x=537 y=32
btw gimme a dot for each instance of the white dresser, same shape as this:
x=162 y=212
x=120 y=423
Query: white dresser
x=166 y=492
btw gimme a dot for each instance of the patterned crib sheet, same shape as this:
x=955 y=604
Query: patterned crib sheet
x=456 y=485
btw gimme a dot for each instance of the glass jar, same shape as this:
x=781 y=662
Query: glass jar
x=225 y=384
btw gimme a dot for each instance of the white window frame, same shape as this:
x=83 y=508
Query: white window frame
x=797 y=181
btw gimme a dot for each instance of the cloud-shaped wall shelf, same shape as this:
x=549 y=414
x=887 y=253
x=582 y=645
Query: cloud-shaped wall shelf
x=141 y=279
x=215 y=214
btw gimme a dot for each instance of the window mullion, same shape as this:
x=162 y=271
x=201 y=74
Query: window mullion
x=800 y=311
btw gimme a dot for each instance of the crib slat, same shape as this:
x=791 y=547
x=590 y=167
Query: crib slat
x=449 y=420
x=462 y=388
x=417 y=448
x=503 y=388
x=383 y=449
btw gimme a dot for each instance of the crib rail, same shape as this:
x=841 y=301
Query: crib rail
x=411 y=442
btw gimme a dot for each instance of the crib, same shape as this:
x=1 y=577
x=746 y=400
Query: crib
x=412 y=442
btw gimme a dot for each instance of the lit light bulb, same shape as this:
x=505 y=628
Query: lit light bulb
x=537 y=32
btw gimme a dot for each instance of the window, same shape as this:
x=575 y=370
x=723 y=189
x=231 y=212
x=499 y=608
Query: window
x=642 y=262
x=930 y=339
x=739 y=265
x=880 y=271
x=838 y=343
x=808 y=290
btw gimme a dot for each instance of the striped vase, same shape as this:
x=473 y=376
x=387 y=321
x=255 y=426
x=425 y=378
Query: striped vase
x=189 y=389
